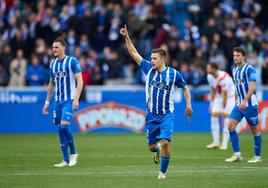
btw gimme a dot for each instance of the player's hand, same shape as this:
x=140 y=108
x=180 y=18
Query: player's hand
x=243 y=105
x=123 y=31
x=75 y=104
x=44 y=110
x=188 y=112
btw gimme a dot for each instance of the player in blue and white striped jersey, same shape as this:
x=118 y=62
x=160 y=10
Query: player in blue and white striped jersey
x=161 y=82
x=66 y=82
x=244 y=76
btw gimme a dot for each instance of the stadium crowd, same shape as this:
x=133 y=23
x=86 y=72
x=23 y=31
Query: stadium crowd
x=193 y=32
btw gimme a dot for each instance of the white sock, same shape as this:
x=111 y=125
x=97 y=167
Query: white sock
x=215 y=129
x=225 y=132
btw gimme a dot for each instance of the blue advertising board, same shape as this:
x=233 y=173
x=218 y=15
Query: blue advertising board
x=103 y=110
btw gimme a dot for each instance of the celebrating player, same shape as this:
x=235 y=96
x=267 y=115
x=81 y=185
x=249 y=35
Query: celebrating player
x=222 y=99
x=246 y=106
x=65 y=72
x=161 y=81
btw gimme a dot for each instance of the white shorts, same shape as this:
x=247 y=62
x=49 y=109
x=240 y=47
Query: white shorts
x=217 y=106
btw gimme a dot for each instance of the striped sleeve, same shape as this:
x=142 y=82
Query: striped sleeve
x=179 y=82
x=145 y=66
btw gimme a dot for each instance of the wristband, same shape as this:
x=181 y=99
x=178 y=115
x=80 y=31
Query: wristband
x=47 y=102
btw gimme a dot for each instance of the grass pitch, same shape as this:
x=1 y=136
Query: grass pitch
x=122 y=160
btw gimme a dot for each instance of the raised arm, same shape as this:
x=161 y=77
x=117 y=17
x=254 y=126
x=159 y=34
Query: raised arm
x=50 y=90
x=130 y=47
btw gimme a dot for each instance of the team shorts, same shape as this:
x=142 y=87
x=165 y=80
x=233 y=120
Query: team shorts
x=63 y=111
x=217 y=106
x=159 y=126
x=250 y=113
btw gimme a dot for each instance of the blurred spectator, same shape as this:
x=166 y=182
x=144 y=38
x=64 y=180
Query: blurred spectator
x=195 y=32
x=35 y=73
x=3 y=76
x=86 y=73
x=18 y=69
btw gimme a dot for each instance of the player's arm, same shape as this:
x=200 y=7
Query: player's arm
x=187 y=96
x=50 y=90
x=212 y=94
x=212 y=97
x=130 y=47
x=79 y=87
x=252 y=87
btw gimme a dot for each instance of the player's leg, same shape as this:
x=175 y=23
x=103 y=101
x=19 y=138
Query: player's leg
x=67 y=113
x=152 y=130
x=165 y=136
x=225 y=132
x=251 y=115
x=235 y=118
x=63 y=141
x=214 y=123
x=226 y=122
x=165 y=158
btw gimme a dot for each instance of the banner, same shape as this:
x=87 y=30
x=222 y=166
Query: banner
x=107 y=110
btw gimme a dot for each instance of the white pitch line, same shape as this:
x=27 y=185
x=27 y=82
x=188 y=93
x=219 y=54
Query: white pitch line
x=123 y=173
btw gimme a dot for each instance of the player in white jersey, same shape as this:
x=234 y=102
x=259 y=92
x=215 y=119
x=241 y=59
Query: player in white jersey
x=66 y=82
x=246 y=106
x=222 y=100
x=161 y=81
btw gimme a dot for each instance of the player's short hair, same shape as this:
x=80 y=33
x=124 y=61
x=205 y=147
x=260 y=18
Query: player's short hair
x=160 y=51
x=61 y=41
x=239 y=50
x=214 y=65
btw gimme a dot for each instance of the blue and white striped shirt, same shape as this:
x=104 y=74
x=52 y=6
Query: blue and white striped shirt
x=63 y=72
x=242 y=77
x=160 y=88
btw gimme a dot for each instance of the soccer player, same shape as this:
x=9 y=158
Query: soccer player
x=66 y=81
x=222 y=99
x=161 y=81
x=244 y=76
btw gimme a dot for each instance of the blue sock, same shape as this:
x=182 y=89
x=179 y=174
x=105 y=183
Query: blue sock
x=164 y=164
x=234 y=140
x=257 y=145
x=69 y=136
x=63 y=144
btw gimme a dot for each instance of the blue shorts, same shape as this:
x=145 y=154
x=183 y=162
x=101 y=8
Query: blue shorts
x=250 y=113
x=62 y=111
x=159 y=127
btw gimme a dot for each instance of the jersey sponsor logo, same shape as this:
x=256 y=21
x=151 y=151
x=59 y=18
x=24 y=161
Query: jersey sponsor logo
x=159 y=85
x=60 y=74
x=110 y=114
x=239 y=81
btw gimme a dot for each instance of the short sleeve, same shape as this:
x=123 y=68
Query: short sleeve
x=50 y=68
x=75 y=66
x=179 y=82
x=224 y=84
x=209 y=78
x=145 y=66
x=251 y=74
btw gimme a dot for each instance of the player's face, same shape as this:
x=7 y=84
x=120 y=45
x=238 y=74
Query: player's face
x=211 y=70
x=156 y=61
x=238 y=57
x=58 y=49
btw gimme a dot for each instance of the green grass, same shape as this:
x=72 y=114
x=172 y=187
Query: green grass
x=122 y=160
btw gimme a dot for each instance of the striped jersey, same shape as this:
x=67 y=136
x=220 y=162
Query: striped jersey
x=63 y=73
x=242 y=77
x=223 y=82
x=159 y=88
